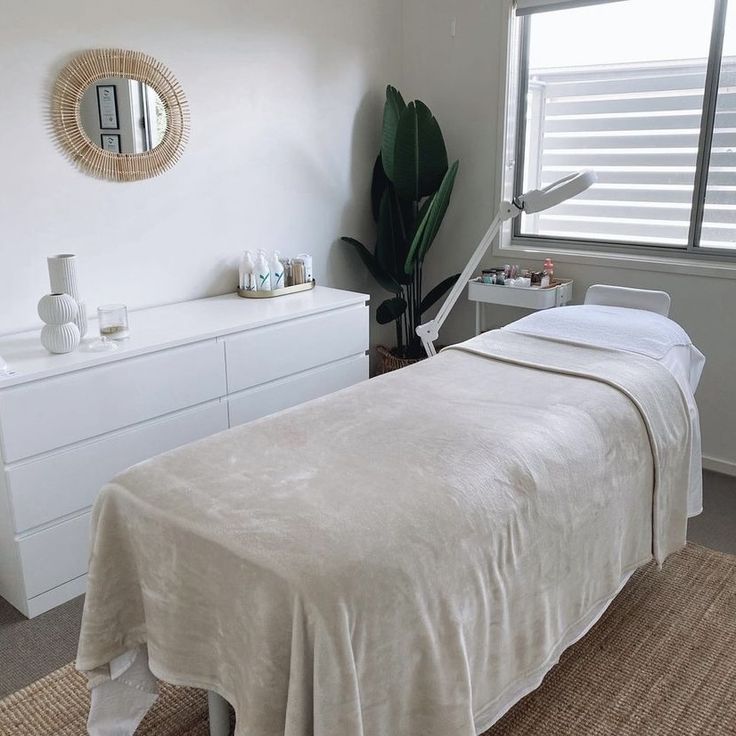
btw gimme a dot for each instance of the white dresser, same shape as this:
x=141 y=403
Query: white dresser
x=68 y=423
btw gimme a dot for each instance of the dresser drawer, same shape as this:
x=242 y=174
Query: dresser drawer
x=262 y=400
x=55 y=412
x=269 y=353
x=63 y=482
x=56 y=555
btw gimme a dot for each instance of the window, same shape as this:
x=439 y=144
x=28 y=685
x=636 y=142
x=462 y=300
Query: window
x=717 y=229
x=644 y=93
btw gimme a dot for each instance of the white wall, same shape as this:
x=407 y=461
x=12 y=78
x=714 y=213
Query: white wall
x=286 y=101
x=459 y=78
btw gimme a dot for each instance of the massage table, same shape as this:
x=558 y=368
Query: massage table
x=410 y=555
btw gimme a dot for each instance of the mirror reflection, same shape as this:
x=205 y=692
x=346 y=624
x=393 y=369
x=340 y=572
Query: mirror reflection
x=123 y=115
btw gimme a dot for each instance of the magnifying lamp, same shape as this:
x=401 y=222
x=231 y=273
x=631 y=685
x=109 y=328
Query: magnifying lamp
x=535 y=200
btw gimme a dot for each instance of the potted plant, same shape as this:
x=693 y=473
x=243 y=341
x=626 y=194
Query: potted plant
x=410 y=193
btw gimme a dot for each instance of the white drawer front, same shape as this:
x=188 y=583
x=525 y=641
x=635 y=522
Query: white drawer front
x=268 y=353
x=56 y=555
x=273 y=397
x=56 y=596
x=55 y=485
x=52 y=413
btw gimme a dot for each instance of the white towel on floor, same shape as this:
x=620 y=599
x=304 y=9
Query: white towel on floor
x=120 y=702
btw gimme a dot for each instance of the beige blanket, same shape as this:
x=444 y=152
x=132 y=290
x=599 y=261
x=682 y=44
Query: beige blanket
x=406 y=557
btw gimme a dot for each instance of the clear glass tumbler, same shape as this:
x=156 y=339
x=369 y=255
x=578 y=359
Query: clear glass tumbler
x=113 y=320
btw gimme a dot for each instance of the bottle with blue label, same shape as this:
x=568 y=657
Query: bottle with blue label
x=277 y=272
x=262 y=272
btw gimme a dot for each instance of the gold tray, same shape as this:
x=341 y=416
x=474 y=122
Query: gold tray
x=277 y=292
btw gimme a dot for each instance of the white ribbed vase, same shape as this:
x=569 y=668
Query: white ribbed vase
x=61 y=334
x=57 y=309
x=81 y=319
x=63 y=278
x=60 y=338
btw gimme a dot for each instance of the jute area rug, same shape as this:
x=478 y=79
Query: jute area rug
x=661 y=661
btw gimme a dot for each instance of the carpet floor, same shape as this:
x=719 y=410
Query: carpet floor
x=662 y=660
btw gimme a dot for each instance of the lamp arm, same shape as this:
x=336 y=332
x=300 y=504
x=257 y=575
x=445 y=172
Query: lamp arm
x=467 y=272
x=533 y=201
x=429 y=331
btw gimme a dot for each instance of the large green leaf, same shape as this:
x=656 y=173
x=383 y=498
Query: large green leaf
x=420 y=156
x=438 y=292
x=436 y=213
x=389 y=237
x=421 y=215
x=416 y=243
x=378 y=186
x=408 y=217
x=407 y=267
x=391 y=243
x=392 y=111
x=390 y=310
x=432 y=220
x=385 y=280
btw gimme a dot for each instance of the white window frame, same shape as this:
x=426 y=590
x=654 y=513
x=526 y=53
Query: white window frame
x=692 y=259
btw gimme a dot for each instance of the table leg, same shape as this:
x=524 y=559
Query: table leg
x=219 y=714
x=478 y=318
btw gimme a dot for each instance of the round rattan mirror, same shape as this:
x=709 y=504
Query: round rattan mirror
x=119 y=115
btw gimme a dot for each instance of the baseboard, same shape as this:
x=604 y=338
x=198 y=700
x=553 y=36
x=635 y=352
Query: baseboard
x=727 y=467
x=56 y=596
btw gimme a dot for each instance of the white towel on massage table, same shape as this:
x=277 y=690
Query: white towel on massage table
x=636 y=331
x=408 y=556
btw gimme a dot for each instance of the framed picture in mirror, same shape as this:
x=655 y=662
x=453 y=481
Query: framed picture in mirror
x=110 y=142
x=107 y=106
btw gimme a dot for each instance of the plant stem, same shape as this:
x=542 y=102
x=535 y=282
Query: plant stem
x=410 y=312
x=417 y=296
x=417 y=315
x=421 y=276
x=405 y=318
x=406 y=323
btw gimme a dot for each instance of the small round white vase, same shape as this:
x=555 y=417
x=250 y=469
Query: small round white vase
x=57 y=309
x=60 y=338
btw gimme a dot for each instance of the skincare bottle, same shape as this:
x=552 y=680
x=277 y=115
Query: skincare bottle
x=262 y=272
x=288 y=278
x=248 y=271
x=277 y=272
x=549 y=268
x=245 y=271
x=306 y=259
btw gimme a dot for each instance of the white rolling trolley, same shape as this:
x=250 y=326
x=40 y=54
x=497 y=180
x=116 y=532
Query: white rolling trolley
x=526 y=297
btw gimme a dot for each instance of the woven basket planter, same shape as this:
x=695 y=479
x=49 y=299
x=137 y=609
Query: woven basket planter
x=388 y=362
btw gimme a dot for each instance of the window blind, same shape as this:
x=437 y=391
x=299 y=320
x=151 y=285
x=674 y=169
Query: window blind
x=638 y=127
x=527 y=7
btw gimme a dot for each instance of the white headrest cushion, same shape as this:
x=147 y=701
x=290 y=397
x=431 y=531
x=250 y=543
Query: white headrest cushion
x=620 y=296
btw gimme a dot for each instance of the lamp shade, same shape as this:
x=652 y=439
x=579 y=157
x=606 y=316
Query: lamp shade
x=560 y=191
